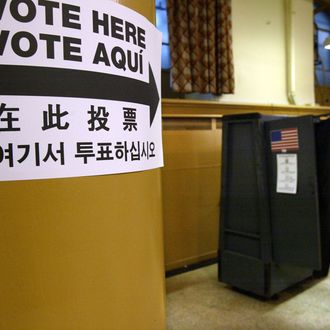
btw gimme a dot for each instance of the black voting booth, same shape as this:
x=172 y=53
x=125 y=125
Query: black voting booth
x=274 y=221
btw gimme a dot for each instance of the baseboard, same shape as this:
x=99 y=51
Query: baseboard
x=188 y=268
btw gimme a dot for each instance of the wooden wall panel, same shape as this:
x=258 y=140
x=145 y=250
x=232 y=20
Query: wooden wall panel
x=191 y=190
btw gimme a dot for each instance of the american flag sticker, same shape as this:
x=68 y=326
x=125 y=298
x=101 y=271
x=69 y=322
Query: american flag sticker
x=284 y=139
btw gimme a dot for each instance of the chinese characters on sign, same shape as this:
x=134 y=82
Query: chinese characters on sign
x=54 y=118
x=61 y=134
x=6 y=118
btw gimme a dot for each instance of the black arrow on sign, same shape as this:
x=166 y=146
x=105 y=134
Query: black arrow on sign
x=45 y=81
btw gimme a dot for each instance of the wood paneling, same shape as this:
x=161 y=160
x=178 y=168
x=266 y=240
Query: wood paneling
x=191 y=190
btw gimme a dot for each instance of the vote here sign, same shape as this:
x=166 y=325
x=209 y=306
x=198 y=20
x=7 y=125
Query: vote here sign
x=79 y=90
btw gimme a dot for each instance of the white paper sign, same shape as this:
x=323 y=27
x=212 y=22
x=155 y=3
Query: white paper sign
x=287 y=173
x=79 y=90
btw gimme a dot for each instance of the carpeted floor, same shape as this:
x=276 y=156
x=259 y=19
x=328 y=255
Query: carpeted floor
x=196 y=300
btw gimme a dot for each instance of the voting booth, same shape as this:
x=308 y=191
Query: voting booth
x=274 y=228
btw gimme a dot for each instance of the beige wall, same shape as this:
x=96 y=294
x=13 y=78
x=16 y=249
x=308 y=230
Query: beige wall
x=304 y=50
x=83 y=253
x=259 y=46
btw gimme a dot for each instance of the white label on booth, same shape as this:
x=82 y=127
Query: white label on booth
x=79 y=90
x=287 y=173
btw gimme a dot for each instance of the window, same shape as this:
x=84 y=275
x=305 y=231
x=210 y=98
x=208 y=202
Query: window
x=162 y=25
x=322 y=55
x=207 y=71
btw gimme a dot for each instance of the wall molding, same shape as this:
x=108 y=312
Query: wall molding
x=194 y=108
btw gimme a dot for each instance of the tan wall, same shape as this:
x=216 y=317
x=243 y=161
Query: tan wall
x=259 y=47
x=303 y=43
x=83 y=253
